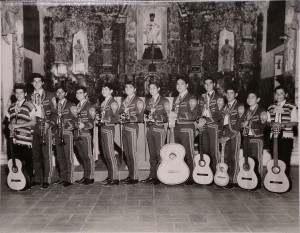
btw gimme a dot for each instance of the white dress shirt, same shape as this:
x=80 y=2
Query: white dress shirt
x=206 y=111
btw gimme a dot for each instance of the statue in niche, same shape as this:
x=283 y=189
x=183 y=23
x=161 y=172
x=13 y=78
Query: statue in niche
x=226 y=56
x=196 y=33
x=247 y=31
x=196 y=54
x=226 y=51
x=80 y=53
x=152 y=33
x=8 y=12
x=107 y=34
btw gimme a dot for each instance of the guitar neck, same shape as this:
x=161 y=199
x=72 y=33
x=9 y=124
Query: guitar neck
x=222 y=153
x=275 y=151
x=11 y=144
x=201 y=145
x=172 y=138
x=246 y=141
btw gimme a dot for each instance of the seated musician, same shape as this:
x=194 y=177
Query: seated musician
x=230 y=124
x=22 y=119
x=186 y=107
x=283 y=115
x=107 y=120
x=83 y=137
x=156 y=112
x=131 y=113
x=63 y=122
x=254 y=125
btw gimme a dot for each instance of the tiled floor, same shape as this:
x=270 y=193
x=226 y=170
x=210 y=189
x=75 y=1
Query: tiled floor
x=147 y=208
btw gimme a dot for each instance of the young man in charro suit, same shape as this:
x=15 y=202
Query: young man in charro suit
x=22 y=118
x=283 y=115
x=254 y=125
x=209 y=117
x=186 y=107
x=41 y=152
x=63 y=123
x=83 y=138
x=230 y=125
x=156 y=115
x=131 y=113
x=107 y=120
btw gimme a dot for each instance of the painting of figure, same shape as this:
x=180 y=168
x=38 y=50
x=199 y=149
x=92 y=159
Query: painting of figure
x=152 y=33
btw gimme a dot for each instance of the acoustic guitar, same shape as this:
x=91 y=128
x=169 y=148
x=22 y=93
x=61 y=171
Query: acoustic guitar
x=276 y=180
x=221 y=177
x=17 y=178
x=172 y=169
x=202 y=173
x=246 y=177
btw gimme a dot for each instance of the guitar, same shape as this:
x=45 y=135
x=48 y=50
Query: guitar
x=16 y=178
x=276 y=180
x=221 y=177
x=246 y=177
x=172 y=168
x=202 y=173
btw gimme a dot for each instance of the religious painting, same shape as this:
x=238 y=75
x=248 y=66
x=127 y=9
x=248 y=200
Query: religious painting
x=80 y=53
x=278 y=64
x=151 y=33
x=226 y=51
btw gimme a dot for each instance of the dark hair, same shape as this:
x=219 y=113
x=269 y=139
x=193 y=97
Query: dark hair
x=20 y=86
x=109 y=86
x=256 y=93
x=154 y=83
x=60 y=86
x=81 y=88
x=37 y=75
x=209 y=78
x=281 y=87
x=232 y=88
x=130 y=83
x=185 y=79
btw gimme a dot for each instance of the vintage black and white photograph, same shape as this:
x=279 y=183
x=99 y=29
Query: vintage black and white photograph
x=149 y=116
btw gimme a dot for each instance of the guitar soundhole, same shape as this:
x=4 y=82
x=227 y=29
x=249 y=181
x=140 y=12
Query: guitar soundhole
x=222 y=169
x=276 y=170
x=246 y=167
x=172 y=156
x=15 y=169
x=202 y=163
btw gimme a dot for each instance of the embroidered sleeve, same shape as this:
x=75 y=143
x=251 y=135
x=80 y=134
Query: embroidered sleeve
x=263 y=117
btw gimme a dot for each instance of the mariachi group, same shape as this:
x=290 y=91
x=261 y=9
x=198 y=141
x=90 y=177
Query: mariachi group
x=220 y=120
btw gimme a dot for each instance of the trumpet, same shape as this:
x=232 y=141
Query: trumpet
x=77 y=129
x=149 y=116
x=60 y=125
x=125 y=118
x=37 y=100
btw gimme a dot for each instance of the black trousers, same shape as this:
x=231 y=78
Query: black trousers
x=24 y=154
x=285 y=148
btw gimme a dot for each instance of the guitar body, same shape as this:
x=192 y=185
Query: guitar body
x=221 y=177
x=246 y=177
x=16 y=179
x=202 y=173
x=276 y=180
x=172 y=169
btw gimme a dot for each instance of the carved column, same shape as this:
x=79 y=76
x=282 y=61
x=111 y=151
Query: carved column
x=107 y=44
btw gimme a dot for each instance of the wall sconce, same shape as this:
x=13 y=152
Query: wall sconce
x=60 y=69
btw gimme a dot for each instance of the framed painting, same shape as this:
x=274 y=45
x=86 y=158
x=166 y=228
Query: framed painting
x=151 y=33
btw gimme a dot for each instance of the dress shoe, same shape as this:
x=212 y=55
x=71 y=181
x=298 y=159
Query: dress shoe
x=156 y=181
x=35 y=183
x=58 y=182
x=80 y=181
x=107 y=180
x=45 y=185
x=230 y=186
x=67 y=184
x=131 y=181
x=112 y=183
x=125 y=180
x=189 y=182
x=88 y=181
x=148 y=180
